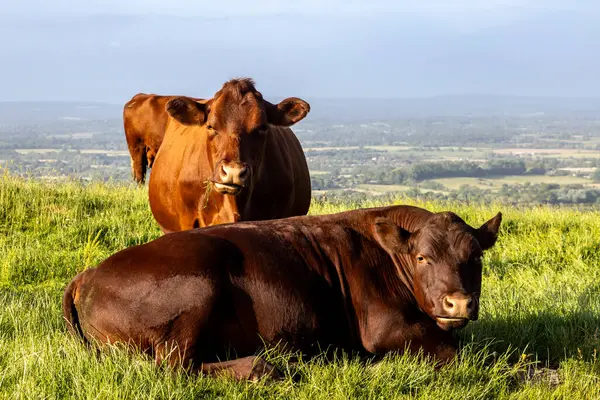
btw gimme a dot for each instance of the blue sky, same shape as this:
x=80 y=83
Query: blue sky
x=109 y=50
x=269 y=7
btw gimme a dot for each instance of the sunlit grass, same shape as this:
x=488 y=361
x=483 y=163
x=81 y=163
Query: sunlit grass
x=540 y=307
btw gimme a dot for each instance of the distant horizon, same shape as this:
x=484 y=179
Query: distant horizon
x=399 y=98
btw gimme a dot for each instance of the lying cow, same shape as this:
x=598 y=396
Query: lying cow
x=230 y=158
x=145 y=122
x=380 y=280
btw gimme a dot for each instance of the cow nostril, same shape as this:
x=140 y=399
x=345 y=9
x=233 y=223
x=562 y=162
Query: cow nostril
x=448 y=303
x=224 y=170
x=244 y=171
x=470 y=303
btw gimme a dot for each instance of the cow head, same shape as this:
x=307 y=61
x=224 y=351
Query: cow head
x=236 y=122
x=441 y=264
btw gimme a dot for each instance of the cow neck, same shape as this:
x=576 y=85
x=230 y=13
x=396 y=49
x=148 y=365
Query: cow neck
x=409 y=219
x=214 y=208
x=217 y=209
x=403 y=272
x=393 y=279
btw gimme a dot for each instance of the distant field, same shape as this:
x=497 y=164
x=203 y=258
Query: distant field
x=38 y=151
x=425 y=149
x=579 y=169
x=112 y=153
x=588 y=140
x=389 y=148
x=470 y=153
x=495 y=183
x=444 y=153
x=382 y=188
x=393 y=188
x=86 y=135
x=348 y=148
x=418 y=153
x=575 y=153
x=317 y=172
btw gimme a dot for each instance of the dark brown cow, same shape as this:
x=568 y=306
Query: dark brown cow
x=377 y=280
x=228 y=159
x=145 y=120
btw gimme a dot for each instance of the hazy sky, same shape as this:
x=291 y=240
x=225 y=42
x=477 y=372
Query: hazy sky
x=109 y=50
x=269 y=7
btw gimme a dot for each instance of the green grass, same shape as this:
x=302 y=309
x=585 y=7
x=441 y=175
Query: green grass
x=540 y=307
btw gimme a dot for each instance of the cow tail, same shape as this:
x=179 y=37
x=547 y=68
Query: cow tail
x=70 y=313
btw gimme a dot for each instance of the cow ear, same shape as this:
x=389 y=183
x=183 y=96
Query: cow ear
x=390 y=236
x=288 y=112
x=187 y=111
x=487 y=234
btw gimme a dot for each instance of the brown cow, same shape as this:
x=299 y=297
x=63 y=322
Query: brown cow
x=145 y=120
x=377 y=280
x=228 y=159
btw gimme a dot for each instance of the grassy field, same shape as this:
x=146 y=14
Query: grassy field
x=537 y=336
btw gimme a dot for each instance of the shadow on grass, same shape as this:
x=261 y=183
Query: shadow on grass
x=545 y=337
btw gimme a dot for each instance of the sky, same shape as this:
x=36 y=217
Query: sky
x=109 y=50
x=224 y=8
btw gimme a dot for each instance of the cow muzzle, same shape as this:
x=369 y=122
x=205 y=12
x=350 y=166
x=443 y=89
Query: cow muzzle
x=232 y=178
x=457 y=309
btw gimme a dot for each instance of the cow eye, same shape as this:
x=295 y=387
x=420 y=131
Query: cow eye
x=211 y=131
x=420 y=258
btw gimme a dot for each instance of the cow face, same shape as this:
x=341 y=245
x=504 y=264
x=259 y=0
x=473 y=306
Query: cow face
x=236 y=121
x=441 y=262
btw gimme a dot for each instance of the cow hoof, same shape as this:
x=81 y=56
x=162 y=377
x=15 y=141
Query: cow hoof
x=262 y=369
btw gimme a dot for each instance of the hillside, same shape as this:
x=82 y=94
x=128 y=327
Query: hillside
x=537 y=335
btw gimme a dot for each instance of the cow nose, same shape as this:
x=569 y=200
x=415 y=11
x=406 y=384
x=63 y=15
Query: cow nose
x=243 y=173
x=234 y=173
x=459 y=305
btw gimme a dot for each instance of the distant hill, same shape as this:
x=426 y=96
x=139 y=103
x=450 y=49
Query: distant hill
x=476 y=105
x=35 y=112
x=338 y=110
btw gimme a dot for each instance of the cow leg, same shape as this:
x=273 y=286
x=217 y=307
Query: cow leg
x=251 y=368
x=426 y=336
x=150 y=156
x=138 y=164
x=443 y=348
x=247 y=368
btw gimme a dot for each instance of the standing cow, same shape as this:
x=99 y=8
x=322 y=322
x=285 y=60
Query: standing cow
x=228 y=159
x=145 y=121
x=377 y=280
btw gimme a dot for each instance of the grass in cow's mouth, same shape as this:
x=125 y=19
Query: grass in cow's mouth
x=537 y=336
